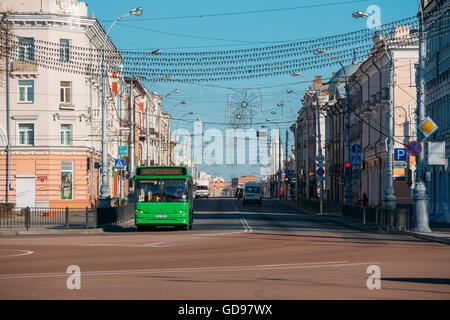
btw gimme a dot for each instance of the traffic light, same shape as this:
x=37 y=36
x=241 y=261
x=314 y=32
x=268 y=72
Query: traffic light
x=348 y=170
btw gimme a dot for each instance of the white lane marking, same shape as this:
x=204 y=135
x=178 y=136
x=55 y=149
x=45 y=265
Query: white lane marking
x=24 y=253
x=249 y=228
x=194 y=270
x=246 y=226
x=147 y=245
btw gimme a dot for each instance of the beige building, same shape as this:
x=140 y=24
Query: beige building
x=369 y=103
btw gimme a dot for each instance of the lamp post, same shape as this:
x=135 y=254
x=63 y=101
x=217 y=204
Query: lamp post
x=389 y=199
x=421 y=197
x=8 y=137
x=348 y=192
x=104 y=189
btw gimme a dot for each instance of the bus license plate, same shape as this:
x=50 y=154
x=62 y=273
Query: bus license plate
x=161 y=216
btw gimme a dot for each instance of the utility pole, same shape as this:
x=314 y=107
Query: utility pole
x=8 y=134
x=296 y=162
x=319 y=144
x=421 y=197
x=131 y=152
x=307 y=152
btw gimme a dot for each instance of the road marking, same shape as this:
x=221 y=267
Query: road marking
x=147 y=245
x=24 y=253
x=246 y=226
x=195 y=270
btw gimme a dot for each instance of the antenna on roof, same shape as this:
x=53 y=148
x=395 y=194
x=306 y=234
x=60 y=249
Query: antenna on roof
x=354 y=56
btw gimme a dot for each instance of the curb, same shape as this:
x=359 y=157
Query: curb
x=47 y=231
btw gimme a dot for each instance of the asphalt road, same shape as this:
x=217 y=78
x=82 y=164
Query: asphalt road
x=232 y=252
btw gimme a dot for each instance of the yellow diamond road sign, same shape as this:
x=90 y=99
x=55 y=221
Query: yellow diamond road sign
x=428 y=127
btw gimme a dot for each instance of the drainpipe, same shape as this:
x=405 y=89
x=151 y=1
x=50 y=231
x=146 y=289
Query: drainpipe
x=360 y=129
x=368 y=142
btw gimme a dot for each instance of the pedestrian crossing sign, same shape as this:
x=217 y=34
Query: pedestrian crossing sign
x=119 y=164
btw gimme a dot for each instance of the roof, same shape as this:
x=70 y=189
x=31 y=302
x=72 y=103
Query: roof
x=338 y=80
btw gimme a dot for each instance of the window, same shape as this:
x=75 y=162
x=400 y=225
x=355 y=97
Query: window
x=66 y=134
x=66 y=92
x=26 y=91
x=414 y=70
x=26 y=134
x=64 y=50
x=26 y=49
x=66 y=180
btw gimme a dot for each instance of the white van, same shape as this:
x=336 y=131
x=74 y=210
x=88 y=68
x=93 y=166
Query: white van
x=252 y=193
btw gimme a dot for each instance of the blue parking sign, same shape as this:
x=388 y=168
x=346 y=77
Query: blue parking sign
x=400 y=154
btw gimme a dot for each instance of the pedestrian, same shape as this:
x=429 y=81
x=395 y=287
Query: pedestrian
x=365 y=200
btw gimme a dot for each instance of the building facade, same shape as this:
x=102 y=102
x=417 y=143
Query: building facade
x=51 y=127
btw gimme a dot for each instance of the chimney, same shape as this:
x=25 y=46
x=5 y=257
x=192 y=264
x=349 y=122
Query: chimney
x=317 y=82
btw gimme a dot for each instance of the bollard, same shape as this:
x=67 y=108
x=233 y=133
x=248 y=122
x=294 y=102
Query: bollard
x=94 y=212
x=87 y=218
x=67 y=217
x=27 y=218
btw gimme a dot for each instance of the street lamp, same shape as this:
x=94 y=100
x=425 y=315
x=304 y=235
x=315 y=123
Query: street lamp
x=104 y=189
x=348 y=191
x=389 y=198
x=421 y=197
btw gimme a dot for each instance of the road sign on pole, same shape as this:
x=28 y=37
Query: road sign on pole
x=356 y=149
x=428 y=127
x=119 y=164
x=400 y=154
x=436 y=153
x=414 y=148
x=355 y=161
x=123 y=150
x=320 y=172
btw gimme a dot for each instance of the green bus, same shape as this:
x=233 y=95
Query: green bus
x=163 y=197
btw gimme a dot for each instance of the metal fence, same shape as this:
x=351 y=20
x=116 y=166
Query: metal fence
x=316 y=206
x=389 y=219
x=64 y=218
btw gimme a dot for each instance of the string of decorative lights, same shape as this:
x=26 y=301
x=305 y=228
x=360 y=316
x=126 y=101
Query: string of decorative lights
x=195 y=66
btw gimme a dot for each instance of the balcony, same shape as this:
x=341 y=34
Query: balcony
x=23 y=69
x=142 y=134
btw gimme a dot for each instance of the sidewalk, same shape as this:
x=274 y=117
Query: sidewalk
x=440 y=230
x=23 y=231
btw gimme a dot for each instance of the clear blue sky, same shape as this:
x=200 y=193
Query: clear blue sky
x=162 y=26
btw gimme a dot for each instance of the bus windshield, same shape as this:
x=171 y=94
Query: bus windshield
x=161 y=190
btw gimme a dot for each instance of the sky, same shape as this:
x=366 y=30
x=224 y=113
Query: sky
x=207 y=25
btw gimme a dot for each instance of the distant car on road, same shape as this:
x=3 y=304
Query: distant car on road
x=252 y=193
x=201 y=192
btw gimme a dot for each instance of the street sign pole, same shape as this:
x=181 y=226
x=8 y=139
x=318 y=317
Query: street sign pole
x=421 y=197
